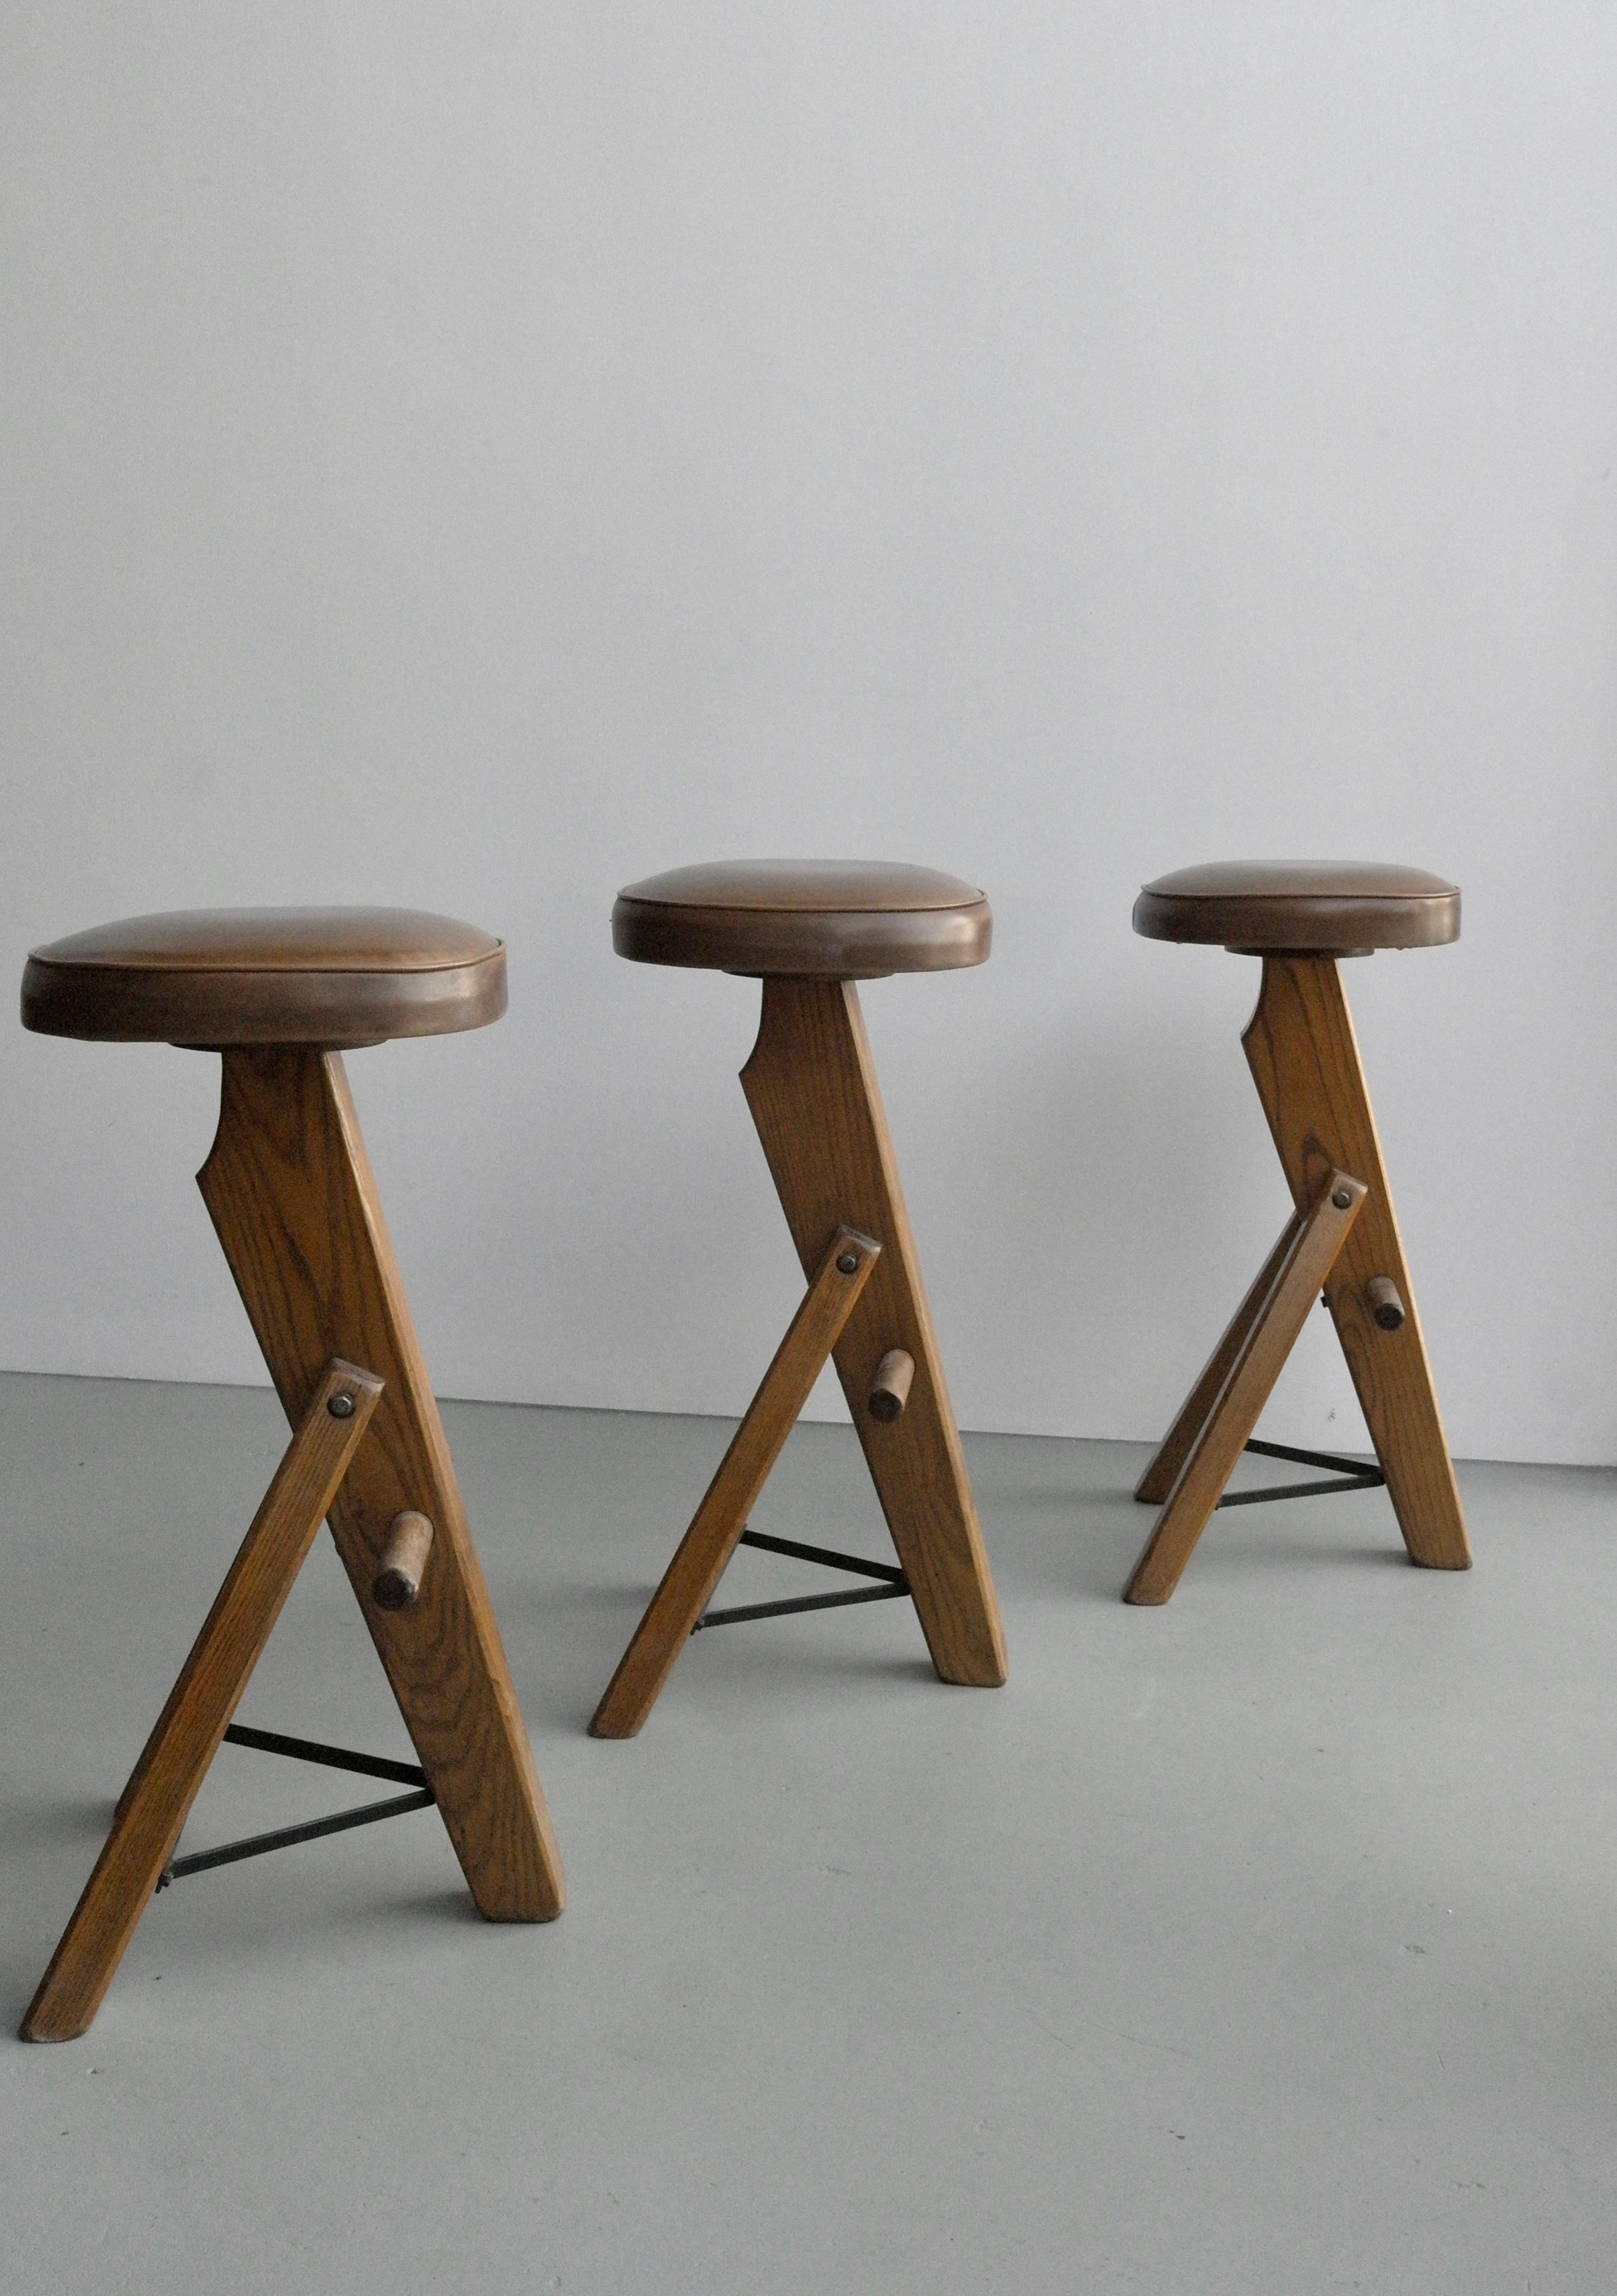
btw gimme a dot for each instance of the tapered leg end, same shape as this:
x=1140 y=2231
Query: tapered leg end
x=990 y=1674
x=55 y=2018
x=1149 y=1590
x=546 y=1903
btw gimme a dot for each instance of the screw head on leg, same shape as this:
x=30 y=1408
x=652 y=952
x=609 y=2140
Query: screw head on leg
x=848 y=1263
x=342 y=1405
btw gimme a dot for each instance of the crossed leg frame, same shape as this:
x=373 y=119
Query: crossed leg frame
x=810 y=1083
x=289 y=1189
x=1343 y=1239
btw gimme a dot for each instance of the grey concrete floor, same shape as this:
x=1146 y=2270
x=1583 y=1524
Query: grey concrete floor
x=1264 y=1942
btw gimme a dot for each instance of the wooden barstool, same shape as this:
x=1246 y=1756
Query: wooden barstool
x=288 y=1184
x=810 y=930
x=1301 y=916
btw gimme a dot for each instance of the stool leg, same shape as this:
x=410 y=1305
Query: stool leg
x=292 y=1196
x=811 y=1085
x=165 y=1781
x=1297 y=1268
x=1304 y=1058
x=1176 y=1447
x=703 y=1554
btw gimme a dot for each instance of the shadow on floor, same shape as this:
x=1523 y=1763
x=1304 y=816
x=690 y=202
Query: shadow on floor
x=38 y=1822
x=254 y=1935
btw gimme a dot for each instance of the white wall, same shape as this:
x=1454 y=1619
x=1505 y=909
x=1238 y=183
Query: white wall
x=474 y=455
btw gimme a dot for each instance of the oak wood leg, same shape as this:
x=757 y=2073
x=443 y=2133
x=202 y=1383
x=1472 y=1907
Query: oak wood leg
x=1161 y=1476
x=1307 y=1252
x=289 y=1189
x=164 y=1783
x=700 y=1560
x=811 y=1085
x=1304 y=1058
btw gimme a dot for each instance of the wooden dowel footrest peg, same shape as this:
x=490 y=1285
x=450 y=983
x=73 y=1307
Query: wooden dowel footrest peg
x=890 y=1388
x=1385 y=1304
x=403 y=1559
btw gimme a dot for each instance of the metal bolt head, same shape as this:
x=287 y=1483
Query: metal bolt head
x=342 y=1405
x=848 y=1263
x=1342 y=1200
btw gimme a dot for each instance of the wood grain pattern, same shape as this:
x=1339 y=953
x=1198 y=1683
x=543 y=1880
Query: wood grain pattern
x=1308 y=1250
x=289 y=1189
x=703 y=1554
x=165 y=1782
x=1304 y=1057
x=1163 y=1471
x=812 y=1085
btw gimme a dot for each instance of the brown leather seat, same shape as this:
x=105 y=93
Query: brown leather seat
x=217 y=977
x=1317 y=908
x=829 y=920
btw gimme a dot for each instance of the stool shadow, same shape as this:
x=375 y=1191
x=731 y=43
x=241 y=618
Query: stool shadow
x=560 y=1689
x=563 y=1643
x=249 y=1938
x=1294 y=1547
x=19 y=1978
x=844 y=1666
x=809 y=1674
x=258 y=1929
x=42 y=1820
x=1049 y=1539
